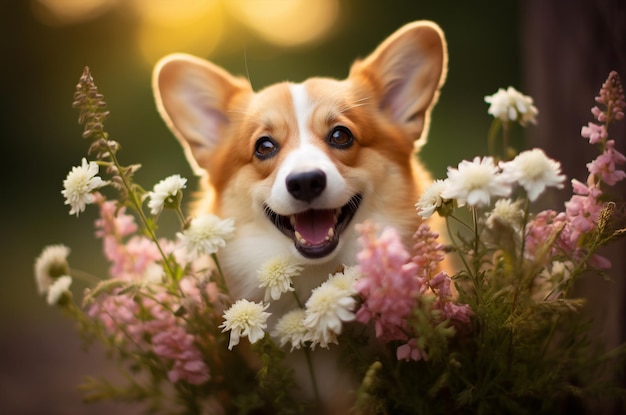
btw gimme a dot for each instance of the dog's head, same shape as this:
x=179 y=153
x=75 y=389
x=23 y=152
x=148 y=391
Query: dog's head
x=297 y=164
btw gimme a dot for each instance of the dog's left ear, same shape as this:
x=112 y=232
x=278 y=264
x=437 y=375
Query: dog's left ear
x=407 y=70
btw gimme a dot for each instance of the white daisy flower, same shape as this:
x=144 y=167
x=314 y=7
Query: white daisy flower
x=431 y=199
x=276 y=276
x=59 y=287
x=511 y=105
x=50 y=265
x=290 y=329
x=475 y=183
x=165 y=193
x=325 y=310
x=79 y=184
x=205 y=235
x=245 y=318
x=534 y=171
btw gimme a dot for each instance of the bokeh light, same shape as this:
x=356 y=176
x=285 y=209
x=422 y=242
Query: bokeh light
x=199 y=26
x=286 y=23
x=66 y=12
x=167 y=26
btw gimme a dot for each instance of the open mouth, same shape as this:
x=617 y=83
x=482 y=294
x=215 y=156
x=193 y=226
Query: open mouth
x=316 y=232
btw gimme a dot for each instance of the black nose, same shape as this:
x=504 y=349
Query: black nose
x=307 y=185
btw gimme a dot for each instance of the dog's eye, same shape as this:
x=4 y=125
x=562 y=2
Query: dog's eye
x=265 y=148
x=340 y=137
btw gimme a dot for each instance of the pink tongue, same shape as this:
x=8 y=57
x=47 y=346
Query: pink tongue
x=313 y=225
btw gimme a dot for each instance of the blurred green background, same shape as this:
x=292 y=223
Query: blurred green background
x=46 y=43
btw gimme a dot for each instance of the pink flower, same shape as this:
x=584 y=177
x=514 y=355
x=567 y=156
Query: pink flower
x=458 y=314
x=171 y=342
x=440 y=284
x=393 y=285
x=389 y=285
x=130 y=260
x=118 y=314
x=594 y=132
x=113 y=219
x=583 y=209
x=541 y=229
x=411 y=351
x=604 y=165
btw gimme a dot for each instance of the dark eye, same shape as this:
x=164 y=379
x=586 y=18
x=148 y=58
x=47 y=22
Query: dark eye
x=340 y=137
x=265 y=148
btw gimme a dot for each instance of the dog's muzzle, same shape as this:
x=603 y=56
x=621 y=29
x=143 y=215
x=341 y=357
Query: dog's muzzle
x=315 y=232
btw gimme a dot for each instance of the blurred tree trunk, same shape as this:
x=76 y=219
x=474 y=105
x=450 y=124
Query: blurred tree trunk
x=569 y=48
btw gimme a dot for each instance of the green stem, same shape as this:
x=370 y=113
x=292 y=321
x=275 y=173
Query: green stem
x=476 y=240
x=461 y=256
x=84 y=276
x=462 y=223
x=297 y=299
x=137 y=205
x=309 y=363
x=505 y=139
x=520 y=276
x=181 y=215
x=222 y=281
x=491 y=136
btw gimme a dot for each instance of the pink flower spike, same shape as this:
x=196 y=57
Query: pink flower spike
x=389 y=285
x=428 y=252
x=612 y=96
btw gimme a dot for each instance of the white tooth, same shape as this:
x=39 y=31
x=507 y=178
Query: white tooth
x=299 y=238
x=331 y=233
x=292 y=220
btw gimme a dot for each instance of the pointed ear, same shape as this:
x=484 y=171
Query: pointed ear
x=407 y=71
x=193 y=97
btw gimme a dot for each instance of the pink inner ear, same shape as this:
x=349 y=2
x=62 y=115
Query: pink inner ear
x=396 y=100
x=313 y=225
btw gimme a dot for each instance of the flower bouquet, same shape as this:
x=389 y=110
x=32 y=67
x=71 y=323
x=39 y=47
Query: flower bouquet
x=500 y=335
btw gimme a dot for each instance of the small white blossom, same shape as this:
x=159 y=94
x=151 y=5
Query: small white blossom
x=511 y=105
x=507 y=212
x=276 y=276
x=325 y=310
x=49 y=265
x=475 y=183
x=290 y=329
x=245 y=318
x=58 y=288
x=534 y=171
x=205 y=235
x=431 y=199
x=153 y=274
x=79 y=184
x=550 y=283
x=345 y=280
x=165 y=192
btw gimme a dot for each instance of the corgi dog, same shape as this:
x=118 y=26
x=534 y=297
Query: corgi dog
x=299 y=165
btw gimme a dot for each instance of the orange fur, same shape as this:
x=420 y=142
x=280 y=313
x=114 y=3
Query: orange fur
x=384 y=103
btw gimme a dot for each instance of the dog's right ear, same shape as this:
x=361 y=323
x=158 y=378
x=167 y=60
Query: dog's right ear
x=193 y=96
